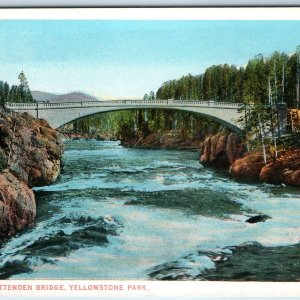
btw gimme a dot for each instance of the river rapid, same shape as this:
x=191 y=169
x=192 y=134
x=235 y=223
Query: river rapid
x=119 y=213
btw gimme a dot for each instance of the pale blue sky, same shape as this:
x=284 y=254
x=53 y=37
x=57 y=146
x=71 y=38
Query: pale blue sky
x=129 y=58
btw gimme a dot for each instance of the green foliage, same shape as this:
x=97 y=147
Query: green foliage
x=132 y=123
x=151 y=96
x=247 y=84
x=23 y=80
x=15 y=93
x=187 y=87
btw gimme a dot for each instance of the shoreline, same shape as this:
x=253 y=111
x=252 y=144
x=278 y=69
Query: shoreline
x=222 y=152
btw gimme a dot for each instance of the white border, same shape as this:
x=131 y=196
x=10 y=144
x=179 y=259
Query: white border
x=262 y=13
x=157 y=289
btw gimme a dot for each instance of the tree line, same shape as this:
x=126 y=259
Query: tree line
x=265 y=83
x=15 y=93
x=279 y=72
x=130 y=124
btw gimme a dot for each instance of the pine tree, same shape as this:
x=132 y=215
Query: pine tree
x=2 y=101
x=6 y=92
x=25 y=93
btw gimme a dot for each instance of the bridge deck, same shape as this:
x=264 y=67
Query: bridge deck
x=121 y=103
x=58 y=114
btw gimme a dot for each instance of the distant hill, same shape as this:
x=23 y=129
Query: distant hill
x=42 y=96
x=73 y=97
x=70 y=97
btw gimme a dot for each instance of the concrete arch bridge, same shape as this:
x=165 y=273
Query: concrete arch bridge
x=59 y=114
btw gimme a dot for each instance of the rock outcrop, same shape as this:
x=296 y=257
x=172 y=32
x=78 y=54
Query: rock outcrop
x=247 y=168
x=30 y=155
x=220 y=151
x=17 y=205
x=283 y=170
x=286 y=169
x=228 y=152
x=173 y=139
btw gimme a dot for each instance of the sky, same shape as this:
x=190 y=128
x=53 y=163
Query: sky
x=123 y=59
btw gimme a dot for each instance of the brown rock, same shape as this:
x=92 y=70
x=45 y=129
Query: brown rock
x=205 y=156
x=286 y=169
x=33 y=151
x=34 y=148
x=17 y=205
x=234 y=148
x=248 y=167
x=221 y=150
x=172 y=139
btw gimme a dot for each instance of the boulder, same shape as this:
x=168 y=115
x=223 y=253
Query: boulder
x=221 y=151
x=258 y=218
x=284 y=170
x=17 y=205
x=247 y=168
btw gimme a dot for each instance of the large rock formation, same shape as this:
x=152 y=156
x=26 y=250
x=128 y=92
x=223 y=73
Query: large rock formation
x=285 y=169
x=17 y=205
x=30 y=154
x=221 y=151
x=247 y=168
x=172 y=139
x=227 y=151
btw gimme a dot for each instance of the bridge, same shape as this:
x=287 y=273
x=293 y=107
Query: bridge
x=59 y=114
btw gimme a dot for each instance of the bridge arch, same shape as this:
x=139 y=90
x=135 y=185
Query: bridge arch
x=59 y=114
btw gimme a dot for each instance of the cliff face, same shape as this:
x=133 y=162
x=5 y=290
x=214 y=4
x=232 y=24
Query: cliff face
x=220 y=151
x=227 y=151
x=30 y=154
x=17 y=205
x=167 y=140
x=247 y=168
x=285 y=169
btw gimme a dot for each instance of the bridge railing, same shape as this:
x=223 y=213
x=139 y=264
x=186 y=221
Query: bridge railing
x=20 y=105
x=121 y=103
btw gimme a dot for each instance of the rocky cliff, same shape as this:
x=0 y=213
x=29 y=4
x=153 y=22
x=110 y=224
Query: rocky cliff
x=172 y=139
x=220 y=151
x=284 y=170
x=248 y=167
x=227 y=151
x=30 y=155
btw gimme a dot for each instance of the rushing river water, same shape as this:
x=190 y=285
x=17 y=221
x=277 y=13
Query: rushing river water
x=118 y=213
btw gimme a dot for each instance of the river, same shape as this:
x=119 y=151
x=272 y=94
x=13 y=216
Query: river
x=119 y=213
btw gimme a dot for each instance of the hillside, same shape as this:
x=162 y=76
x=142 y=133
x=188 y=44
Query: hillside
x=69 y=97
x=73 y=97
x=42 y=96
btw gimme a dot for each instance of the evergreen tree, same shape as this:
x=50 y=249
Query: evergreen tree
x=2 y=100
x=23 y=89
x=6 y=92
x=151 y=95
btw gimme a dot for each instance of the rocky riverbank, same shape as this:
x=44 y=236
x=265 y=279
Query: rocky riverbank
x=227 y=151
x=30 y=155
x=162 y=140
x=221 y=151
x=85 y=136
x=284 y=170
